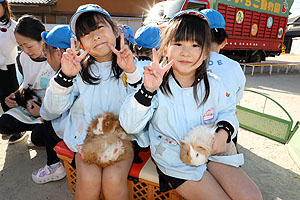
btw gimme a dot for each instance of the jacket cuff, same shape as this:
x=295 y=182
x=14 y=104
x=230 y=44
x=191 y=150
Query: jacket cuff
x=227 y=127
x=143 y=96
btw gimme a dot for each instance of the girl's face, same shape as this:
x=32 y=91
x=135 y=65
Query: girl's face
x=186 y=55
x=96 y=42
x=2 y=11
x=31 y=47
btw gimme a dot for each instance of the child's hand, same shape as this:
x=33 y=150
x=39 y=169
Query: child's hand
x=219 y=142
x=10 y=101
x=70 y=62
x=153 y=74
x=124 y=56
x=34 y=109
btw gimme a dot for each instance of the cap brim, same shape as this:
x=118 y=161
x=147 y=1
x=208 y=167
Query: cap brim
x=189 y=12
x=77 y=14
x=44 y=36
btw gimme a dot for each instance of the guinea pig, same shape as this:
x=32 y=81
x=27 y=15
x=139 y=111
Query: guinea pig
x=196 y=146
x=106 y=142
x=24 y=96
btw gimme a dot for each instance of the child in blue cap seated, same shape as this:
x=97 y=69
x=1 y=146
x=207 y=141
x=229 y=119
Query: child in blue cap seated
x=90 y=84
x=128 y=34
x=56 y=42
x=230 y=71
x=146 y=38
x=178 y=94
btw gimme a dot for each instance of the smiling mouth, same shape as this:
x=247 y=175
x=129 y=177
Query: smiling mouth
x=185 y=62
x=100 y=44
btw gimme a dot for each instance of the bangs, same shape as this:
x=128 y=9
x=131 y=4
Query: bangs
x=191 y=28
x=89 y=21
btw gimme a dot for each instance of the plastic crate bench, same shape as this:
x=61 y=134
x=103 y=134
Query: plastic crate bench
x=142 y=177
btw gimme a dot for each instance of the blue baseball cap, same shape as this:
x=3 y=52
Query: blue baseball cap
x=188 y=12
x=58 y=37
x=148 y=37
x=1 y=1
x=128 y=33
x=83 y=9
x=215 y=19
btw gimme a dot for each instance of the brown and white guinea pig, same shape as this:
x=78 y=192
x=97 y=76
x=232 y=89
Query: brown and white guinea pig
x=106 y=142
x=24 y=96
x=196 y=146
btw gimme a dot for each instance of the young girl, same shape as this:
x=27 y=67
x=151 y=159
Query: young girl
x=56 y=42
x=88 y=86
x=170 y=104
x=8 y=53
x=36 y=74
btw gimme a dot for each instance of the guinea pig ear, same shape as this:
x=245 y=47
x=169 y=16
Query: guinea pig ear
x=185 y=153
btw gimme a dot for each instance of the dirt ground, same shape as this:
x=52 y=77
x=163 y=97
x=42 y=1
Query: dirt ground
x=267 y=162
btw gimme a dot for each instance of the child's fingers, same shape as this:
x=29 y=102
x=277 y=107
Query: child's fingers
x=155 y=57
x=113 y=49
x=168 y=66
x=83 y=55
x=122 y=41
x=73 y=47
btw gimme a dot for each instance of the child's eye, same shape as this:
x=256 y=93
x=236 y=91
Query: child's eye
x=196 y=45
x=177 y=44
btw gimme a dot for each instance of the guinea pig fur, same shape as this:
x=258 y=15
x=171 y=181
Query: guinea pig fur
x=196 y=146
x=106 y=141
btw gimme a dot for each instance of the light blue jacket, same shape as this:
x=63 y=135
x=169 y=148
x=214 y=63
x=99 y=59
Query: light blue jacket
x=83 y=102
x=230 y=73
x=169 y=119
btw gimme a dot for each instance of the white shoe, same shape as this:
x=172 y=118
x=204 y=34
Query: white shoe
x=28 y=142
x=47 y=174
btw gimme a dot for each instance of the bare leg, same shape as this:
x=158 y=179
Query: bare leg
x=88 y=183
x=234 y=181
x=114 y=180
x=206 y=188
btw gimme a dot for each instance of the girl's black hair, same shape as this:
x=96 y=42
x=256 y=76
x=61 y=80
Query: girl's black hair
x=218 y=35
x=142 y=51
x=86 y=23
x=30 y=27
x=188 y=28
x=8 y=15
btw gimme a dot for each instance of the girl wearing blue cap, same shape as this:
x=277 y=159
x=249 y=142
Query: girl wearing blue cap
x=221 y=65
x=56 y=42
x=89 y=84
x=36 y=75
x=8 y=53
x=173 y=100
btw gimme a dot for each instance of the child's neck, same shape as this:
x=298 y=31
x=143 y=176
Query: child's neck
x=185 y=80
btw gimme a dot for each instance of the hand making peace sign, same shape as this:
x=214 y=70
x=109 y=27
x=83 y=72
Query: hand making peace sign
x=70 y=62
x=153 y=74
x=124 y=56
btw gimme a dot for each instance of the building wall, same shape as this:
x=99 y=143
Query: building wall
x=117 y=8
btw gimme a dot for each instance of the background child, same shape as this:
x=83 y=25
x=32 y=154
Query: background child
x=94 y=87
x=171 y=104
x=36 y=74
x=230 y=71
x=56 y=42
x=146 y=38
x=8 y=53
x=128 y=34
